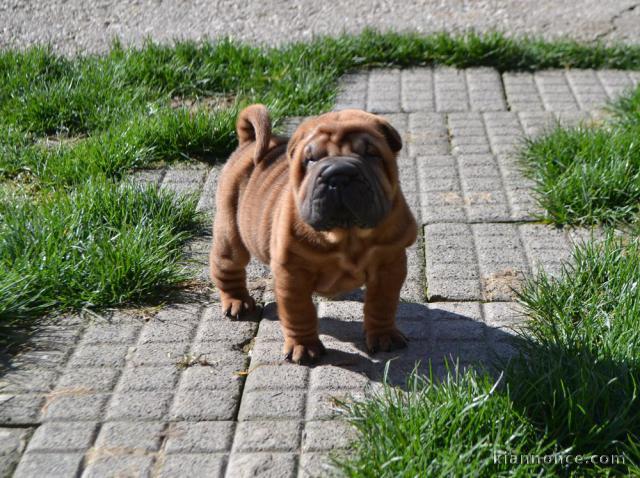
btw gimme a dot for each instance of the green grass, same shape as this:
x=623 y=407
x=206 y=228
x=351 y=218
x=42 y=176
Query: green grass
x=105 y=243
x=590 y=175
x=440 y=429
x=573 y=389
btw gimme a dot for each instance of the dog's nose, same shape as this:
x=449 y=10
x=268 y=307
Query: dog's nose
x=339 y=174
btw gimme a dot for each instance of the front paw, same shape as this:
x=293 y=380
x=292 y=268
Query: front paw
x=303 y=352
x=385 y=341
x=236 y=307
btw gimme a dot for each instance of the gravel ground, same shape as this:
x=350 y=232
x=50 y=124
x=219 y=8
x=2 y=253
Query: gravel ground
x=76 y=25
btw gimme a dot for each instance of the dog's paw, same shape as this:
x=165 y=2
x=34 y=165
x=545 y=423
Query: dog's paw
x=234 y=308
x=305 y=353
x=385 y=341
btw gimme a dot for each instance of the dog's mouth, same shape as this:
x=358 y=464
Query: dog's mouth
x=343 y=192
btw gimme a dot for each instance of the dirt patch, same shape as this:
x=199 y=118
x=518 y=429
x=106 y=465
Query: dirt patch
x=207 y=103
x=502 y=285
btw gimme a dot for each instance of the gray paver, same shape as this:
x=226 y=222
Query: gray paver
x=268 y=465
x=262 y=436
x=62 y=437
x=130 y=437
x=383 y=93
x=136 y=405
x=17 y=409
x=109 y=464
x=201 y=437
x=12 y=443
x=193 y=465
x=54 y=465
x=272 y=404
x=196 y=405
x=323 y=436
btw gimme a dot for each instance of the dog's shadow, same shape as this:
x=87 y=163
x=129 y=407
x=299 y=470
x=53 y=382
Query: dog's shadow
x=442 y=337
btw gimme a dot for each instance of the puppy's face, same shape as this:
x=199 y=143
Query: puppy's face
x=343 y=169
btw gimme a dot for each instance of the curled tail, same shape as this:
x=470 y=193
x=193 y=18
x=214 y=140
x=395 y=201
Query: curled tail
x=253 y=124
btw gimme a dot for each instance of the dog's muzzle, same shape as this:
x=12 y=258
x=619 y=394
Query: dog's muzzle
x=343 y=192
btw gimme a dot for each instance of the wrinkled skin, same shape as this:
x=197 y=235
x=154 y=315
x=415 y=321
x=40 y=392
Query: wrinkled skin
x=325 y=210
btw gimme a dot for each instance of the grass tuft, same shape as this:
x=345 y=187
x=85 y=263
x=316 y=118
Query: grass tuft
x=105 y=243
x=589 y=175
x=441 y=429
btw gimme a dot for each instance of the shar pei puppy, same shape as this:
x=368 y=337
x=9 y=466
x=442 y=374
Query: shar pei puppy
x=324 y=209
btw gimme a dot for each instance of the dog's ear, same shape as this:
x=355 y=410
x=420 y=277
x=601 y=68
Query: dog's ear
x=391 y=135
x=254 y=124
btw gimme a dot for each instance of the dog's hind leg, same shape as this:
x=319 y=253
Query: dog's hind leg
x=228 y=261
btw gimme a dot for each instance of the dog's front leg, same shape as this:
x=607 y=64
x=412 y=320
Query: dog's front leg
x=381 y=304
x=298 y=317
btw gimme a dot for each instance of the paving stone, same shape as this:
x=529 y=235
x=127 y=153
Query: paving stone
x=614 y=82
x=266 y=352
x=555 y=91
x=383 y=93
x=214 y=328
x=334 y=377
x=40 y=359
x=106 y=333
x=272 y=404
x=207 y=201
x=324 y=404
x=325 y=435
x=197 y=405
x=587 y=89
x=185 y=175
x=19 y=409
x=275 y=377
x=101 y=355
x=12 y=443
x=148 y=378
x=107 y=464
x=504 y=316
x=485 y=89
x=219 y=377
x=151 y=354
x=51 y=465
x=62 y=437
x=317 y=465
x=427 y=135
x=74 y=404
x=28 y=380
x=130 y=437
x=145 y=405
x=267 y=465
x=93 y=379
x=201 y=437
x=417 y=93
x=522 y=92
x=174 y=323
x=352 y=92
x=193 y=465
x=148 y=177
x=267 y=436
x=450 y=89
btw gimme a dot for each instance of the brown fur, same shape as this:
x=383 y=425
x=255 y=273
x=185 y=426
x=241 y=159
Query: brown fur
x=257 y=215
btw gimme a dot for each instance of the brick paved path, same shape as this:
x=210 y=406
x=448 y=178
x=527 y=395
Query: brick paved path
x=180 y=392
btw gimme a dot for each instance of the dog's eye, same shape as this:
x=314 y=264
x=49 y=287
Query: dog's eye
x=309 y=155
x=372 y=150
